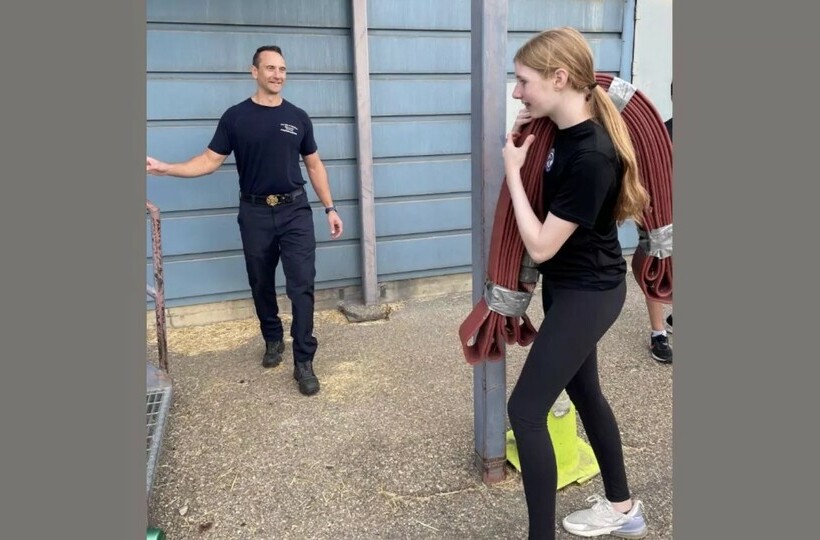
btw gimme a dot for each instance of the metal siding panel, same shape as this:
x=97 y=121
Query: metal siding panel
x=221 y=189
x=214 y=275
x=197 y=234
x=181 y=143
x=628 y=236
x=606 y=51
x=207 y=99
x=450 y=53
x=404 y=53
x=218 y=190
x=421 y=137
x=399 y=179
x=419 y=14
x=586 y=15
x=200 y=234
x=210 y=51
x=436 y=272
x=426 y=216
x=415 y=254
x=343 y=180
x=220 y=275
x=322 y=13
x=420 y=96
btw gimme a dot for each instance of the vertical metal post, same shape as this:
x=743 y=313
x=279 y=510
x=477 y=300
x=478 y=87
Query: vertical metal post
x=488 y=119
x=158 y=289
x=367 y=210
x=628 y=38
x=627 y=231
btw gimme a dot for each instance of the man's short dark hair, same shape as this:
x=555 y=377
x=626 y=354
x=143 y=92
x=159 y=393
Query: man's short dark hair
x=264 y=48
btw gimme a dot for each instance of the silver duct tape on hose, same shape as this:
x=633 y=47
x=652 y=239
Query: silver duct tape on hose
x=621 y=91
x=506 y=301
x=657 y=242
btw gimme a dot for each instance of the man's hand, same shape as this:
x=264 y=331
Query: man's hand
x=156 y=167
x=335 y=223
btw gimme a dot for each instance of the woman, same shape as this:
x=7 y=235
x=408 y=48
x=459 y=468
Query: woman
x=590 y=184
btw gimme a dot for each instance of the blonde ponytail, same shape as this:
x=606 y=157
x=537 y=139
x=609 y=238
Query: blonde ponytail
x=634 y=198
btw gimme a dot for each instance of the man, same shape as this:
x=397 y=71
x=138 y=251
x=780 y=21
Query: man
x=267 y=134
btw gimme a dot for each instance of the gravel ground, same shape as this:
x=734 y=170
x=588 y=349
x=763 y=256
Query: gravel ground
x=385 y=449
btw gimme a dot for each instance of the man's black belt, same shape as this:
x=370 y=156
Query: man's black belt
x=272 y=200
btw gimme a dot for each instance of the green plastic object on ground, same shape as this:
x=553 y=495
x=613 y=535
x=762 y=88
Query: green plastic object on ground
x=574 y=457
x=154 y=534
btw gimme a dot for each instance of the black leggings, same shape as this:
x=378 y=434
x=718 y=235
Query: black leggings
x=564 y=355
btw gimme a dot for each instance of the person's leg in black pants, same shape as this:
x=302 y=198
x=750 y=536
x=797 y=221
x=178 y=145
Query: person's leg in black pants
x=297 y=243
x=259 y=244
x=599 y=422
x=574 y=322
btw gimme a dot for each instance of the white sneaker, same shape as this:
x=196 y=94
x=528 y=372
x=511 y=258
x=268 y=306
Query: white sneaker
x=603 y=519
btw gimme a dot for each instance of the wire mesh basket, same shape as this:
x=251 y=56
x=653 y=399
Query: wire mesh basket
x=157 y=403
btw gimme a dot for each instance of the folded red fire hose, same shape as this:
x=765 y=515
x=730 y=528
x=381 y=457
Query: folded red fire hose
x=499 y=318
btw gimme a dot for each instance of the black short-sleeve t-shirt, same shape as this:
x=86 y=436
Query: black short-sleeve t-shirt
x=582 y=180
x=266 y=142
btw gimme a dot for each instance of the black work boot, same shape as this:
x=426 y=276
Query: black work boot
x=308 y=382
x=273 y=354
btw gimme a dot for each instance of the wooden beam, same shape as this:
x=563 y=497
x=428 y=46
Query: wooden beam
x=364 y=137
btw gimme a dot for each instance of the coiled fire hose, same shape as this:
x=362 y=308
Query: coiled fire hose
x=499 y=318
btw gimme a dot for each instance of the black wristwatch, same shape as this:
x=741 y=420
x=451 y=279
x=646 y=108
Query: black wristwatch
x=330 y=209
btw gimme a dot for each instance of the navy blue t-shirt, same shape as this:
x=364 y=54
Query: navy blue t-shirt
x=266 y=142
x=582 y=180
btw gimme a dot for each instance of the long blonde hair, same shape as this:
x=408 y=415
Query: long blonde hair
x=566 y=48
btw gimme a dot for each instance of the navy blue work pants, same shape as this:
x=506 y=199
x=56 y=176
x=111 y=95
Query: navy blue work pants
x=286 y=232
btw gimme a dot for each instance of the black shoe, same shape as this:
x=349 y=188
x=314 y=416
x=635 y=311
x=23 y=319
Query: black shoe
x=661 y=351
x=308 y=382
x=273 y=354
x=669 y=323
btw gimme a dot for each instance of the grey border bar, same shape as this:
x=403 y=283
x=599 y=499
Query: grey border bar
x=73 y=222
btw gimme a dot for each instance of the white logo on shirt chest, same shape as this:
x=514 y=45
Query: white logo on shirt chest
x=550 y=160
x=287 y=128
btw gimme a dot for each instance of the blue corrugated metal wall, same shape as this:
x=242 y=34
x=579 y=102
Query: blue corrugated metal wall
x=199 y=55
x=420 y=89
x=198 y=65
